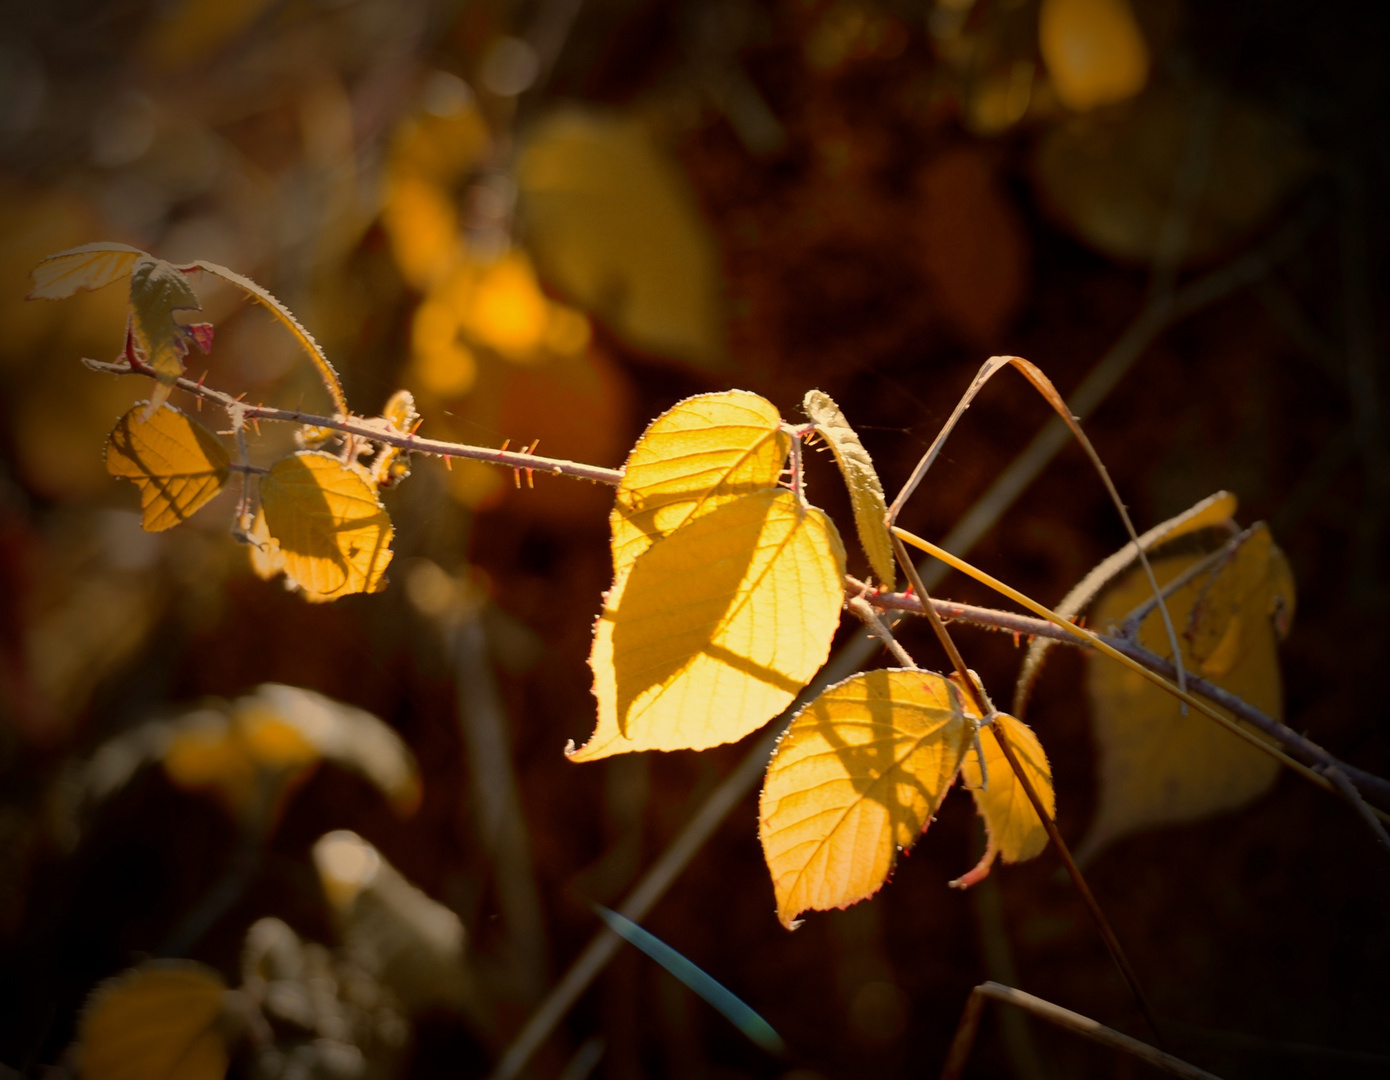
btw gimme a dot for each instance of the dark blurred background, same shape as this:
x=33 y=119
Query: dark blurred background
x=552 y=220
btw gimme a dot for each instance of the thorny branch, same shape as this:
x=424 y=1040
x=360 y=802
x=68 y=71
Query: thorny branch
x=1298 y=745
x=378 y=432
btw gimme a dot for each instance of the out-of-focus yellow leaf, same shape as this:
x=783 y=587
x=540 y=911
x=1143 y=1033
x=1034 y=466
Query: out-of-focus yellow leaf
x=177 y=464
x=422 y=221
x=334 y=534
x=90 y=267
x=1214 y=512
x=157 y=290
x=156 y=1022
x=612 y=223
x=188 y=33
x=696 y=456
x=285 y=318
x=865 y=490
x=1158 y=767
x=1112 y=177
x=259 y=746
x=1013 y=826
x=716 y=627
x=1094 y=51
x=856 y=778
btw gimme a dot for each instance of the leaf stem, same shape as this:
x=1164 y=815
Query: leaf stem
x=967 y=680
x=380 y=433
x=1096 y=642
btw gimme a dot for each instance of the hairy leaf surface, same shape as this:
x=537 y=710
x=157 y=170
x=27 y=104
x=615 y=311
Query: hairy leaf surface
x=155 y=1022
x=177 y=464
x=701 y=453
x=716 y=627
x=334 y=534
x=1014 y=829
x=865 y=490
x=92 y=266
x=856 y=778
x=1158 y=767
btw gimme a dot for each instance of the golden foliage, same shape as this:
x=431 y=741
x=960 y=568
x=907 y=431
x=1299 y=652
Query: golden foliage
x=334 y=536
x=90 y=267
x=177 y=464
x=1013 y=827
x=856 y=778
x=612 y=223
x=1158 y=767
x=716 y=627
x=1094 y=51
x=158 y=1021
x=865 y=490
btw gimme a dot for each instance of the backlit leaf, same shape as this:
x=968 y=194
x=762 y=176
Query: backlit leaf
x=333 y=532
x=157 y=290
x=1012 y=825
x=865 y=490
x=1094 y=51
x=698 y=455
x=613 y=224
x=177 y=464
x=1158 y=767
x=155 y=1022
x=92 y=266
x=267 y=560
x=1213 y=512
x=855 y=779
x=716 y=627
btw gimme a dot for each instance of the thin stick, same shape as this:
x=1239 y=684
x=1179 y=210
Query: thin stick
x=1115 y=654
x=380 y=433
x=1013 y=623
x=967 y=531
x=966 y=678
x=1063 y=1018
x=1348 y=790
x=861 y=608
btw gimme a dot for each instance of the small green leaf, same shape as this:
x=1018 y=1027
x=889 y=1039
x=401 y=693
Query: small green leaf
x=157 y=290
x=865 y=490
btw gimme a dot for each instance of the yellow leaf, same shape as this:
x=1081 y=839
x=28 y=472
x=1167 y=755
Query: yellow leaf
x=855 y=779
x=157 y=290
x=392 y=464
x=267 y=560
x=155 y=1022
x=1156 y=766
x=1094 y=51
x=865 y=490
x=1213 y=512
x=177 y=464
x=264 y=741
x=92 y=266
x=716 y=627
x=1015 y=831
x=333 y=532
x=698 y=455
x=613 y=224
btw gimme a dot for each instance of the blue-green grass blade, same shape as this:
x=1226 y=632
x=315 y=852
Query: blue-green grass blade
x=734 y=1009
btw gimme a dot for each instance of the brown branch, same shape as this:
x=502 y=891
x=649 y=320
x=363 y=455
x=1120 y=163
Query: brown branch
x=1084 y=1026
x=1298 y=745
x=377 y=432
